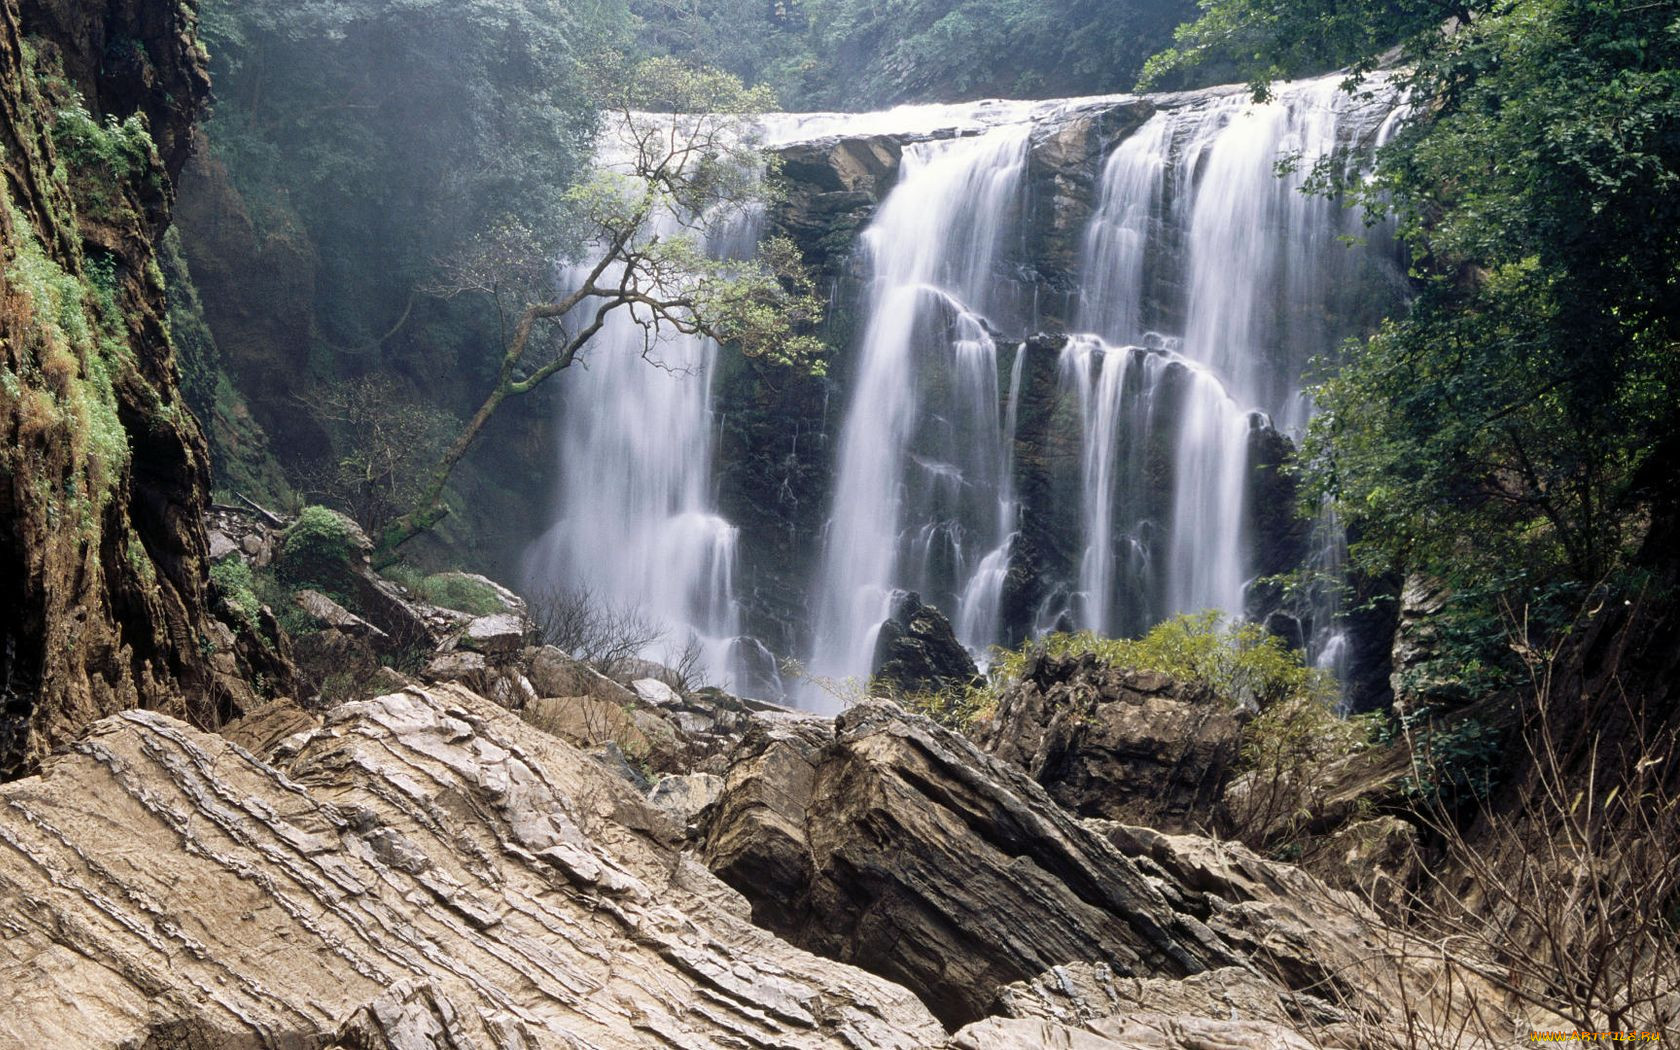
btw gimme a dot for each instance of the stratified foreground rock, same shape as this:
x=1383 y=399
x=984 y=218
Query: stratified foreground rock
x=1134 y=746
x=422 y=871
x=903 y=848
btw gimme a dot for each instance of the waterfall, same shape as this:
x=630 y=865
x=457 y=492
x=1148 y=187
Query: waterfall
x=1106 y=486
x=1206 y=284
x=921 y=457
x=635 y=523
x=979 y=606
x=1196 y=232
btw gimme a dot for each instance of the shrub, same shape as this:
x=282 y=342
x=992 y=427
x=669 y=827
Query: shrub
x=1240 y=663
x=319 y=537
x=954 y=708
x=1453 y=763
x=103 y=158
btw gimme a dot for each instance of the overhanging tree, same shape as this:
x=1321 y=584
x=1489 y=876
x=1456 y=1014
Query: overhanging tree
x=679 y=160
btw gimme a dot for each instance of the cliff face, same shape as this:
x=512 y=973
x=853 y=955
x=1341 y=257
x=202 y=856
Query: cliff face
x=103 y=472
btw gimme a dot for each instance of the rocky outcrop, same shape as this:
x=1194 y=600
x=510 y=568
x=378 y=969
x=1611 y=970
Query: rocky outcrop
x=917 y=651
x=1105 y=741
x=420 y=870
x=901 y=847
x=1091 y=1008
x=1063 y=165
x=832 y=188
x=103 y=599
x=1416 y=677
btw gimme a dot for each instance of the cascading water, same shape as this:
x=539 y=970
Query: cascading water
x=920 y=473
x=636 y=527
x=1204 y=283
x=979 y=605
x=1193 y=234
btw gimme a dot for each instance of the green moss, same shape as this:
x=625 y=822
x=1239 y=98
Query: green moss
x=70 y=366
x=140 y=561
x=451 y=590
x=319 y=540
x=236 y=587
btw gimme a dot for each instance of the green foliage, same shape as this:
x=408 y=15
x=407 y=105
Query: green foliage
x=451 y=590
x=70 y=363
x=101 y=159
x=955 y=708
x=236 y=587
x=1512 y=431
x=1240 y=663
x=827 y=54
x=394 y=131
x=1509 y=433
x=317 y=543
x=1261 y=42
x=1454 y=763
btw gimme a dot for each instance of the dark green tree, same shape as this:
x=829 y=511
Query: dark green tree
x=396 y=130
x=826 y=54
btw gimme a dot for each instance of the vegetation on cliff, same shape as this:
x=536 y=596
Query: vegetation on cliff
x=102 y=472
x=858 y=54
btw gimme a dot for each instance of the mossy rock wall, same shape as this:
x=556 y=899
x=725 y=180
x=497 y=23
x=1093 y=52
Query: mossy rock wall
x=103 y=476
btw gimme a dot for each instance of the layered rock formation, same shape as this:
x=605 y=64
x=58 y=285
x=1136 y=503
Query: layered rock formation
x=422 y=870
x=902 y=848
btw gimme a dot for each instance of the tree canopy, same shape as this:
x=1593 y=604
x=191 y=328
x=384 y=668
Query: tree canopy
x=396 y=129
x=844 y=54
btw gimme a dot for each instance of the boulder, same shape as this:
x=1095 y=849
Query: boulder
x=493 y=679
x=901 y=847
x=586 y=722
x=328 y=613
x=683 y=798
x=859 y=165
x=653 y=691
x=832 y=188
x=1133 y=746
x=222 y=547
x=1381 y=857
x=554 y=673
x=917 y=651
x=498 y=634
x=424 y=870
x=509 y=601
x=756 y=836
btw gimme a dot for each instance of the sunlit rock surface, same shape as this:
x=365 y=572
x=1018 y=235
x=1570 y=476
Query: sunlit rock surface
x=423 y=871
